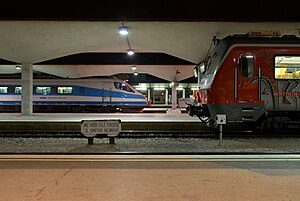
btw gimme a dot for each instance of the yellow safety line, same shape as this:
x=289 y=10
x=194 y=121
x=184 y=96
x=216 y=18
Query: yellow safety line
x=144 y=160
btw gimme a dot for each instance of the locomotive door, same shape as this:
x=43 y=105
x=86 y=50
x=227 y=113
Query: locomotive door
x=106 y=93
x=246 y=86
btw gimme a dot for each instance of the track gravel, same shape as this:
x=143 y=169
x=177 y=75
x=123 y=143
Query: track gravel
x=149 y=145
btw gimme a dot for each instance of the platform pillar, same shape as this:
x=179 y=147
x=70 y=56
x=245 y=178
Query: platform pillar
x=149 y=95
x=174 y=94
x=166 y=97
x=27 y=89
x=183 y=93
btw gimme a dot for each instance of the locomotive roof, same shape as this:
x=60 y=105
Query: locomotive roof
x=244 y=39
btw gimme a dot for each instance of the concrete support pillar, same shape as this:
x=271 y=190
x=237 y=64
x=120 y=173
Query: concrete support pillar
x=174 y=95
x=149 y=95
x=27 y=87
x=166 y=97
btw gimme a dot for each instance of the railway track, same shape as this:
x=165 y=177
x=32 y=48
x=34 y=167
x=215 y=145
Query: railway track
x=152 y=134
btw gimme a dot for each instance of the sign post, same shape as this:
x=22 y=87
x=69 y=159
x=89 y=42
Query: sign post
x=221 y=120
x=91 y=128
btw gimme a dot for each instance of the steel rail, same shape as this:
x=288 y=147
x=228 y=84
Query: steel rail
x=149 y=134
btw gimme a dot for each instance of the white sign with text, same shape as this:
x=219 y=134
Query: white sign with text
x=91 y=128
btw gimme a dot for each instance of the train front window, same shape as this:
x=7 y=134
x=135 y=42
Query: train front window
x=118 y=85
x=212 y=63
x=200 y=68
x=123 y=86
x=287 y=67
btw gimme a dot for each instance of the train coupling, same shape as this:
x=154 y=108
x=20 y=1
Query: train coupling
x=198 y=110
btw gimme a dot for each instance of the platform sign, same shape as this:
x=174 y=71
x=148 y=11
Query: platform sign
x=91 y=128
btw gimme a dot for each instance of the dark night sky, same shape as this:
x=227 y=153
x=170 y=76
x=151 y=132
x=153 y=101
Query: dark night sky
x=187 y=10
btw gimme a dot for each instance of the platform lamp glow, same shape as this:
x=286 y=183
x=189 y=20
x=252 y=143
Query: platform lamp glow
x=123 y=30
x=130 y=51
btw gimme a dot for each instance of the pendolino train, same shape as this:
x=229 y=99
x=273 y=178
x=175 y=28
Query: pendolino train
x=251 y=78
x=91 y=94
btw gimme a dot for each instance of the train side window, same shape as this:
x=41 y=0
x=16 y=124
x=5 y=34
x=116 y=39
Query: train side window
x=18 y=90
x=287 y=67
x=247 y=65
x=3 y=90
x=43 y=90
x=64 y=90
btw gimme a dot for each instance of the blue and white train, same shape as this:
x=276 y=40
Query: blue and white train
x=91 y=94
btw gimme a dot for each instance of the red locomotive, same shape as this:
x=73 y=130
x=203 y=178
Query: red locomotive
x=251 y=78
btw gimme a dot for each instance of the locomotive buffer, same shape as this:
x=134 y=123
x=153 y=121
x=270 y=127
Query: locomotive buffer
x=91 y=128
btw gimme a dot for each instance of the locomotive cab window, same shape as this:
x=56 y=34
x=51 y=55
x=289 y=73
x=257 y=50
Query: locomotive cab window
x=247 y=65
x=127 y=88
x=287 y=67
x=123 y=86
x=118 y=85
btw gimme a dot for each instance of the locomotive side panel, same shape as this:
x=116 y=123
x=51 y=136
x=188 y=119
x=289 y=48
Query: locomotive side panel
x=287 y=95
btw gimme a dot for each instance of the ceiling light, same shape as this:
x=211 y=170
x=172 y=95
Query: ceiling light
x=135 y=73
x=18 y=67
x=123 y=30
x=133 y=68
x=130 y=52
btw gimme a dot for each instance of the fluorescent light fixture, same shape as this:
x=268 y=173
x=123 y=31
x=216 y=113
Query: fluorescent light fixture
x=123 y=30
x=141 y=88
x=158 y=88
x=130 y=52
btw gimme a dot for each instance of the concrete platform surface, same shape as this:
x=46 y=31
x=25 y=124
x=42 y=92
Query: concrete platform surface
x=71 y=122
x=77 y=180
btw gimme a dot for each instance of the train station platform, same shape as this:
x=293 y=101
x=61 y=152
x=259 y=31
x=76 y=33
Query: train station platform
x=149 y=178
x=71 y=122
